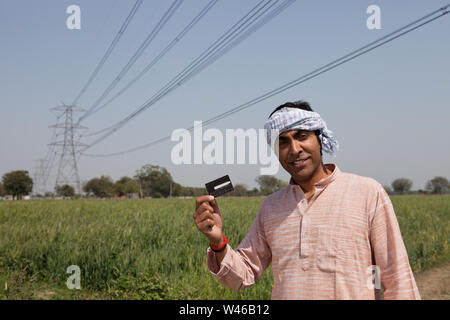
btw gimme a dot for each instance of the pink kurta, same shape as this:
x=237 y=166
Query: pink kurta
x=327 y=248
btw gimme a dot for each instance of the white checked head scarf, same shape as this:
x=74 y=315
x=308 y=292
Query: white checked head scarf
x=287 y=119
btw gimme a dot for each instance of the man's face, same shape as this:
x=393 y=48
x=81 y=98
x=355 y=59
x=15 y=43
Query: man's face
x=299 y=154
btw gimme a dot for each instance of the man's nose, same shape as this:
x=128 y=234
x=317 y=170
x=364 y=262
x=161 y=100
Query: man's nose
x=295 y=147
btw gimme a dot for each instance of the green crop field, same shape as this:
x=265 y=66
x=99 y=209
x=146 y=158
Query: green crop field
x=150 y=249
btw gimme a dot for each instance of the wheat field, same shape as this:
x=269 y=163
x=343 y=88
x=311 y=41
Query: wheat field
x=150 y=249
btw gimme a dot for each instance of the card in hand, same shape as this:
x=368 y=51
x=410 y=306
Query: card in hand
x=219 y=186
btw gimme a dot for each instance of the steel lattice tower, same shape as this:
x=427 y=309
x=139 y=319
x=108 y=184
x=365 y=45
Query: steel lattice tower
x=67 y=166
x=39 y=177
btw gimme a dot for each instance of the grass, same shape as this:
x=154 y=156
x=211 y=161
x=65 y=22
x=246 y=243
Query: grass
x=150 y=249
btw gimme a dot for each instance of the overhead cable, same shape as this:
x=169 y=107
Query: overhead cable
x=224 y=42
x=180 y=36
x=329 y=66
x=164 y=19
x=110 y=49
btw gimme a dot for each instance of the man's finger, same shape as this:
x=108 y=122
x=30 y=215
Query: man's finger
x=204 y=215
x=201 y=199
x=205 y=225
x=202 y=208
x=206 y=206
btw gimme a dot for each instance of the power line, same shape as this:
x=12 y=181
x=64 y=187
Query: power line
x=239 y=24
x=110 y=49
x=178 y=79
x=332 y=65
x=209 y=55
x=180 y=36
x=248 y=30
x=164 y=19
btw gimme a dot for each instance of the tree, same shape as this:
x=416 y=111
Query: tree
x=387 y=189
x=402 y=185
x=282 y=184
x=269 y=184
x=177 y=190
x=49 y=194
x=2 y=193
x=101 y=187
x=193 y=191
x=126 y=185
x=65 y=190
x=240 y=190
x=252 y=193
x=155 y=181
x=17 y=183
x=438 y=185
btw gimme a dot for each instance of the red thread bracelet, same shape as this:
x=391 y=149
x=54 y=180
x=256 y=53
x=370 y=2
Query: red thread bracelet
x=221 y=247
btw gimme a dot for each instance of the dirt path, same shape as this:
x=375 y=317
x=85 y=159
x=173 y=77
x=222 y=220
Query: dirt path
x=434 y=284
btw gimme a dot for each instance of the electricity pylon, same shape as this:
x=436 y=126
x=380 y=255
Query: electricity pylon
x=39 y=181
x=67 y=166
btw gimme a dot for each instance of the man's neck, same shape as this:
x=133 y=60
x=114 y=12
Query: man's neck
x=308 y=186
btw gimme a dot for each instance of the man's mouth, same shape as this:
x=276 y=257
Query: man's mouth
x=299 y=162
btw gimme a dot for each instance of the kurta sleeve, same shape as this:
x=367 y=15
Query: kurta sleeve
x=244 y=266
x=389 y=251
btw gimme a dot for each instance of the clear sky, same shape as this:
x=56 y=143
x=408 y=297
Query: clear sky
x=389 y=109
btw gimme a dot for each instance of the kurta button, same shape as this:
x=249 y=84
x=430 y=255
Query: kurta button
x=305 y=265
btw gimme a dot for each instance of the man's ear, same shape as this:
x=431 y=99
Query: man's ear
x=320 y=143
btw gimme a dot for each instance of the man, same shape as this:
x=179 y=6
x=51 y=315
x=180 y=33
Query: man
x=325 y=233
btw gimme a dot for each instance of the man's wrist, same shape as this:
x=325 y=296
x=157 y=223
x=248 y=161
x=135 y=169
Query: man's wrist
x=218 y=247
x=216 y=243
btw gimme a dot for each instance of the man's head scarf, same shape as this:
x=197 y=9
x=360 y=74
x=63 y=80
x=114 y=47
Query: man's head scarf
x=287 y=119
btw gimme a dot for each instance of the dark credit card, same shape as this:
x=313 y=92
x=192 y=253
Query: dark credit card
x=219 y=186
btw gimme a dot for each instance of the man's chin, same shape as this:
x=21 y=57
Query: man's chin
x=301 y=175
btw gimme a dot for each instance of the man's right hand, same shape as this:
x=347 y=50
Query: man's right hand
x=208 y=219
